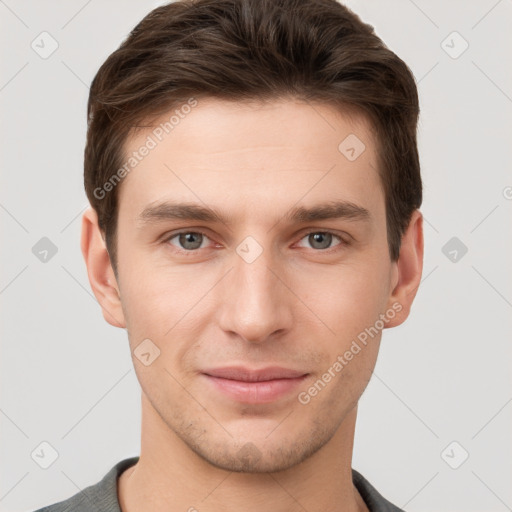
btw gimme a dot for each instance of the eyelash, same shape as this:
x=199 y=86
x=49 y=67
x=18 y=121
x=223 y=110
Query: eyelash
x=343 y=242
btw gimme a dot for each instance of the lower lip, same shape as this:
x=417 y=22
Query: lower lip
x=263 y=392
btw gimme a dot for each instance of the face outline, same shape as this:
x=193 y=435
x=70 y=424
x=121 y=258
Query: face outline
x=219 y=308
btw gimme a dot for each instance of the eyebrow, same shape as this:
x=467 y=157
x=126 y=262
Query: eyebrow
x=166 y=211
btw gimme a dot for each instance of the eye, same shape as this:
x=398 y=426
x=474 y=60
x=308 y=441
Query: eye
x=188 y=240
x=322 y=240
x=192 y=241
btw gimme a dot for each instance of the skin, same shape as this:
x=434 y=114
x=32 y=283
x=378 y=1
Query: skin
x=296 y=305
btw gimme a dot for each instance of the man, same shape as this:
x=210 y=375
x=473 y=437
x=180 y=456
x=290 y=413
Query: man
x=254 y=182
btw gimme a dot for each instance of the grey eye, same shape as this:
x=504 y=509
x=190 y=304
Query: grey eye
x=320 y=240
x=189 y=240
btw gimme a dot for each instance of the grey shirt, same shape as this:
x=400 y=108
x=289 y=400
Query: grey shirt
x=102 y=497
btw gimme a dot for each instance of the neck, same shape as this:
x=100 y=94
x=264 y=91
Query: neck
x=169 y=474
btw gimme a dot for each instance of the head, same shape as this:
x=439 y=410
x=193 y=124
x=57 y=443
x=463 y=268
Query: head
x=254 y=179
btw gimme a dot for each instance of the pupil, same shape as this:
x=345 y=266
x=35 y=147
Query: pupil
x=190 y=240
x=324 y=239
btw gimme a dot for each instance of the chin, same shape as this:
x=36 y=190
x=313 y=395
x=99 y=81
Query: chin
x=261 y=456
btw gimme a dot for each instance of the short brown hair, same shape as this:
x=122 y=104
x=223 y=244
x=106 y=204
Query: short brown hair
x=312 y=50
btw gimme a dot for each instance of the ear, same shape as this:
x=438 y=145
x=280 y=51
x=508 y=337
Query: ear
x=407 y=271
x=99 y=269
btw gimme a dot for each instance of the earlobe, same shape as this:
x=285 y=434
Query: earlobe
x=409 y=267
x=99 y=269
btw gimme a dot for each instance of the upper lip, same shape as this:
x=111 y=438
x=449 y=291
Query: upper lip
x=254 y=375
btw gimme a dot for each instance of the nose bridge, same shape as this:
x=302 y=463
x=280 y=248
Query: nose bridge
x=254 y=305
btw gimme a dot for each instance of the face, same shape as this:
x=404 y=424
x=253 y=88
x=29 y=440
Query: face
x=252 y=253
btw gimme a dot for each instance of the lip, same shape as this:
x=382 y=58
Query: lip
x=254 y=386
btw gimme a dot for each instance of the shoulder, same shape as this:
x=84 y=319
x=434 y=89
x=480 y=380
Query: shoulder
x=100 y=497
x=373 y=499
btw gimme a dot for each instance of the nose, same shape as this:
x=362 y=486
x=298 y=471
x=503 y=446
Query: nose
x=256 y=303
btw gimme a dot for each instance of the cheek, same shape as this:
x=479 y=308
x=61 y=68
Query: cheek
x=350 y=308
x=349 y=384
x=157 y=309
x=162 y=304
x=346 y=300
x=152 y=296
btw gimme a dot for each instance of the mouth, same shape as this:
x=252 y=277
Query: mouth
x=254 y=386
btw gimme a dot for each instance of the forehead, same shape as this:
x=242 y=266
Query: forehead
x=254 y=155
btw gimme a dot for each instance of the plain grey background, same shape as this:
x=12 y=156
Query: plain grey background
x=441 y=390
